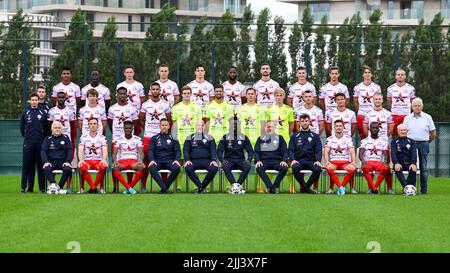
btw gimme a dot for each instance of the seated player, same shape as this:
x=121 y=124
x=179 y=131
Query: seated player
x=56 y=154
x=128 y=155
x=93 y=155
x=271 y=154
x=339 y=154
x=404 y=156
x=231 y=152
x=164 y=153
x=373 y=154
x=200 y=153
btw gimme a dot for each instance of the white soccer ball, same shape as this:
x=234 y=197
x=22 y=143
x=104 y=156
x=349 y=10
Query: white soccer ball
x=53 y=189
x=235 y=188
x=409 y=190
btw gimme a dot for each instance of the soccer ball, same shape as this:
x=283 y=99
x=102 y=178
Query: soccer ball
x=53 y=189
x=409 y=190
x=235 y=189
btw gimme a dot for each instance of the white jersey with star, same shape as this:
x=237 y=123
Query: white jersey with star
x=65 y=116
x=201 y=91
x=92 y=146
x=339 y=148
x=233 y=93
x=135 y=91
x=347 y=116
x=401 y=98
x=383 y=118
x=169 y=89
x=103 y=94
x=119 y=114
x=265 y=91
x=315 y=116
x=296 y=93
x=365 y=93
x=154 y=112
x=72 y=92
x=128 y=148
x=374 y=148
x=88 y=112
x=328 y=94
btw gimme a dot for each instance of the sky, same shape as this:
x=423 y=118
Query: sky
x=288 y=11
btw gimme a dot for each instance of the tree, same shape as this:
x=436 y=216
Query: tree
x=16 y=45
x=262 y=34
x=107 y=55
x=386 y=60
x=225 y=49
x=200 y=52
x=320 y=54
x=372 y=38
x=305 y=46
x=243 y=58
x=132 y=54
x=73 y=48
x=294 y=49
x=277 y=54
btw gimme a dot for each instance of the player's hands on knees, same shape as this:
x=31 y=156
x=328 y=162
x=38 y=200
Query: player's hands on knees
x=152 y=163
x=258 y=164
x=283 y=164
x=225 y=163
x=318 y=164
x=294 y=162
x=116 y=165
x=413 y=167
x=81 y=163
x=188 y=163
x=47 y=164
x=140 y=165
x=66 y=164
x=176 y=163
x=398 y=167
x=104 y=163
x=330 y=166
x=213 y=163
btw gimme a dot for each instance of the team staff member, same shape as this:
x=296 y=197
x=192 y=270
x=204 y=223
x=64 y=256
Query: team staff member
x=231 y=152
x=33 y=127
x=421 y=128
x=200 y=153
x=42 y=94
x=305 y=151
x=56 y=154
x=404 y=156
x=164 y=153
x=271 y=154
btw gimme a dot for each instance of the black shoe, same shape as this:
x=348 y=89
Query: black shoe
x=115 y=190
x=375 y=192
x=90 y=191
x=95 y=191
x=166 y=191
x=302 y=190
x=22 y=190
x=423 y=192
x=29 y=190
x=178 y=190
x=309 y=191
x=272 y=191
x=199 y=191
x=42 y=191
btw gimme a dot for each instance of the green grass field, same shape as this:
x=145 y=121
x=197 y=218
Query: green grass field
x=224 y=223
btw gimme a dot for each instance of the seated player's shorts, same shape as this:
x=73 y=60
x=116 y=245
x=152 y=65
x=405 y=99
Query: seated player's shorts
x=93 y=164
x=374 y=166
x=340 y=165
x=127 y=164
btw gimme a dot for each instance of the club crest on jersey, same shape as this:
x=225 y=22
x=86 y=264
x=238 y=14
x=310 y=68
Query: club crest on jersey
x=275 y=141
x=309 y=139
x=169 y=141
x=52 y=146
x=204 y=140
x=408 y=146
x=399 y=149
x=62 y=142
x=239 y=142
x=39 y=117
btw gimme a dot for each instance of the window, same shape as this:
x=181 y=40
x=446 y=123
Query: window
x=405 y=9
x=82 y=2
x=205 y=5
x=319 y=10
x=417 y=9
x=130 y=23
x=193 y=5
x=90 y=18
x=142 y=23
x=105 y=3
x=390 y=9
x=372 y=5
x=173 y=3
x=147 y=4
x=445 y=8
x=120 y=4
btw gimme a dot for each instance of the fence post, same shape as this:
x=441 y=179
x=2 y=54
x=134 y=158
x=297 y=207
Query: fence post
x=307 y=60
x=357 y=53
x=397 y=56
x=266 y=44
x=213 y=60
x=85 y=53
x=178 y=53
x=119 y=49
x=436 y=152
x=25 y=76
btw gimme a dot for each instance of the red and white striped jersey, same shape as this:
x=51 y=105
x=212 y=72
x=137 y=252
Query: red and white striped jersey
x=374 y=148
x=401 y=98
x=296 y=92
x=347 y=116
x=65 y=116
x=72 y=92
x=383 y=118
x=328 y=94
x=201 y=91
x=315 y=115
x=233 y=93
x=88 y=112
x=265 y=91
x=92 y=146
x=154 y=112
x=103 y=94
x=169 y=89
x=339 y=148
x=364 y=93
x=128 y=148
x=119 y=114
x=135 y=91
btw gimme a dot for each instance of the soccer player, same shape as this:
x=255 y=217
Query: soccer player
x=200 y=153
x=128 y=155
x=342 y=113
x=169 y=89
x=92 y=110
x=363 y=98
x=33 y=127
x=315 y=113
x=218 y=112
x=385 y=123
x=404 y=156
x=296 y=91
x=329 y=91
x=164 y=153
x=66 y=116
x=103 y=98
x=234 y=90
x=305 y=153
x=73 y=95
x=265 y=87
x=42 y=94
x=339 y=154
x=251 y=116
x=271 y=153
x=371 y=153
x=93 y=155
x=152 y=111
x=135 y=92
x=281 y=114
x=231 y=152
x=117 y=114
x=56 y=154
x=399 y=98
x=201 y=89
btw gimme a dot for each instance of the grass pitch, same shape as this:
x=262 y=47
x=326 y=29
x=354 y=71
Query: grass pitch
x=214 y=222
